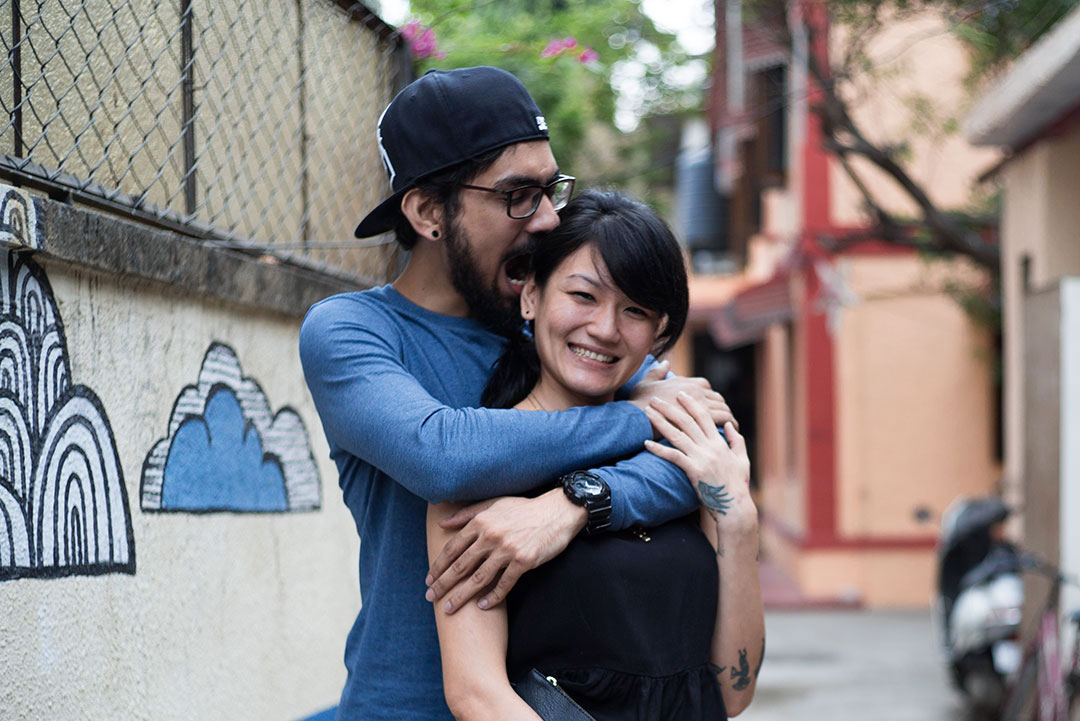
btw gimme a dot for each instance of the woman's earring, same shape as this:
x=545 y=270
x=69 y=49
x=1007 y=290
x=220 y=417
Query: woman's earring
x=435 y=233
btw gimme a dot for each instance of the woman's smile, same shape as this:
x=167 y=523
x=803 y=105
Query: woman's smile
x=583 y=352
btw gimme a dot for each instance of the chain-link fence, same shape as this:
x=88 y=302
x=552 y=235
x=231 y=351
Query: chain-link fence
x=244 y=122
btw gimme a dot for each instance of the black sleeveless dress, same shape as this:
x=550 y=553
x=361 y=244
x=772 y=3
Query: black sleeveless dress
x=624 y=625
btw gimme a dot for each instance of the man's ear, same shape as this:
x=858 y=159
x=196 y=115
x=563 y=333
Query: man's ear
x=424 y=213
x=529 y=298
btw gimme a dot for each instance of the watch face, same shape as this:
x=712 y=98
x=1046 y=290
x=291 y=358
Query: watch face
x=588 y=486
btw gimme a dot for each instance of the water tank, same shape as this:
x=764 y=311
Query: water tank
x=700 y=211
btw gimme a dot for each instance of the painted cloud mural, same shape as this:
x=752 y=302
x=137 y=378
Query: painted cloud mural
x=225 y=451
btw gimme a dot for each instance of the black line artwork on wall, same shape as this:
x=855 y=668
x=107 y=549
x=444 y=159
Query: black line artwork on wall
x=19 y=223
x=226 y=452
x=63 y=504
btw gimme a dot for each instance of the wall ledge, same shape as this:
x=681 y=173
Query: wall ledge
x=106 y=243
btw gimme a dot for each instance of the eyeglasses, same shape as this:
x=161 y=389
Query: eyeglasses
x=523 y=201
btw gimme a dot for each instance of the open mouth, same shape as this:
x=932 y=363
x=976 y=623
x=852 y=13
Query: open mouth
x=591 y=355
x=517 y=268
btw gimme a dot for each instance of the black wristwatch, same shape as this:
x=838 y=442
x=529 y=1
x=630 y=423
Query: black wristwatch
x=589 y=490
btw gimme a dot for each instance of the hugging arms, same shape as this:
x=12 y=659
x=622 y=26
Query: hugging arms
x=375 y=412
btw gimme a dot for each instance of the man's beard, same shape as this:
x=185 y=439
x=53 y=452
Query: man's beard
x=486 y=303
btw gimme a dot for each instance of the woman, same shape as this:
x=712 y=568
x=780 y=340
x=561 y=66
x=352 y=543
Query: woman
x=663 y=623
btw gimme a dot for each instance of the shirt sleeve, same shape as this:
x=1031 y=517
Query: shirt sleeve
x=372 y=407
x=646 y=490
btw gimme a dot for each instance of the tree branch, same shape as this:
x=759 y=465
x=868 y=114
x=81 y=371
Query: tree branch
x=944 y=230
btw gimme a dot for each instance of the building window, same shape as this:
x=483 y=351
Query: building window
x=771 y=96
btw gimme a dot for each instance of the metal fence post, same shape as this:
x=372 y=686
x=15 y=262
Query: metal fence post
x=187 y=71
x=15 y=55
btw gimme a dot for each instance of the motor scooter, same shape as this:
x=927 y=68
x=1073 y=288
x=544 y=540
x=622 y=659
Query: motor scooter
x=980 y=595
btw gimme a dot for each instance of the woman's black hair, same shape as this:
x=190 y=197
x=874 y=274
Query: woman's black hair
x=643 y=260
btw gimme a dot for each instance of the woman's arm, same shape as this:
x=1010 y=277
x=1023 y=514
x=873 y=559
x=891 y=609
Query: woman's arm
x=738 y=643
x=720 y=474
x=473 y=647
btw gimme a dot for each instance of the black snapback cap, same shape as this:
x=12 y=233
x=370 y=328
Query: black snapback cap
x=443 y=119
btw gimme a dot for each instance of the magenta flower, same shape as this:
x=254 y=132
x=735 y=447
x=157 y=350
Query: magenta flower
x=421 y=40
x=553 y=48
x=410 y=29
x=559 y=46
x=588 y=56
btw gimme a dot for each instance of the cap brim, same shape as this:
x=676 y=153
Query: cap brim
x=383 y=218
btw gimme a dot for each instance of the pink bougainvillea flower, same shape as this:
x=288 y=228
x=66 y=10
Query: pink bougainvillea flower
x=559 y=46
x=410 y=29
x=421 y=40
x=588 y=56
x=553 y=48
x=423 y=45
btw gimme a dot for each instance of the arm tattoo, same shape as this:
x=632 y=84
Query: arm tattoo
x=741 y=676
x=761 y=659
x=716 y=498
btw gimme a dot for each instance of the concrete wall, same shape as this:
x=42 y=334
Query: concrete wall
x=1069 y=508
x=1042 y=449
x=171 y=541
x=87 y=84
x=1039 y=239
x=1051 y=459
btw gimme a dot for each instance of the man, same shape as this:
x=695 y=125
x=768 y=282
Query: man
x=396 y=371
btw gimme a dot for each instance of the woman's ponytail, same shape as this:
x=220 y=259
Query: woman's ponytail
x=516 y=373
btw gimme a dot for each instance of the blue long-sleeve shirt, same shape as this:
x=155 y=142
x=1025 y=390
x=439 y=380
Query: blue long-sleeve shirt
x=396 y=387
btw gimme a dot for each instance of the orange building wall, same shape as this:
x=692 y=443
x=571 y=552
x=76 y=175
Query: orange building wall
x=914 y=428
x=915 y=409
x=912 y=95
x=783 y=491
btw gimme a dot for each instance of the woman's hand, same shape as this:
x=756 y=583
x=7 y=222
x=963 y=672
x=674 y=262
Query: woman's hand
x=719 y=469
x=658 y=385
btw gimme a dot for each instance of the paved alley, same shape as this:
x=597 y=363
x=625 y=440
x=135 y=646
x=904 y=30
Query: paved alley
x=848 y=665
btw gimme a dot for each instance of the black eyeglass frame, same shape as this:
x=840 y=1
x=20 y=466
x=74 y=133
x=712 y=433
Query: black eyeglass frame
x=547 y=189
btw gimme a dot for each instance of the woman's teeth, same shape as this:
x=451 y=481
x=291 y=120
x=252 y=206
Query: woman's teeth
x=591 y=355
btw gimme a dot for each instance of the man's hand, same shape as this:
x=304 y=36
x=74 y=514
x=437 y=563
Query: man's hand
x=655 y=384
x=497 y=542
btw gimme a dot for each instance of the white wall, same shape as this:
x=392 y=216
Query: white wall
x=142 y=611
x=1069 y=520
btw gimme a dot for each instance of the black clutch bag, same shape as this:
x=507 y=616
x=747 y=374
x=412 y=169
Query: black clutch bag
x=549 y=701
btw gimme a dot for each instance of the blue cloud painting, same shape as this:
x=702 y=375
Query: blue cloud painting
x=217 y=463
x=226 y=452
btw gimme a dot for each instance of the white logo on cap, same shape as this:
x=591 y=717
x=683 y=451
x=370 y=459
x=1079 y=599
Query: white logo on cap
x=541 y=123
x=382 y=150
